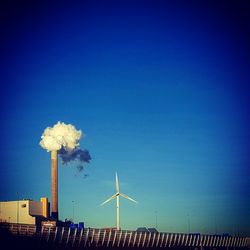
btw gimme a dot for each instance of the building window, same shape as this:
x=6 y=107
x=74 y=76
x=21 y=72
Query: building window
x=23 y=205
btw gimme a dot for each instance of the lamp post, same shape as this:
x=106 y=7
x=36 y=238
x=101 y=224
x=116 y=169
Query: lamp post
x=188 y=223
x=17 y=211
x=156 y=221
x=73 y=208
x=215 y=224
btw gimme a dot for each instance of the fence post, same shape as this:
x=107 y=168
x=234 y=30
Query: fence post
x=114 y=238
x=98 y=237
x=190 y=240
x=135 y=235
x=166 y=240
x=129 y=238
x=162 y=239
x=86 y=238
x=48 y=235
x=103 y=237
x=153 y=241
x=109 y=238
x=27 y=230
x=55 y=234
x=80 y=239
x=41 y=236
x=201 y=245
x=74 y=237
x=120 y=236
x=157 y=242
x=69 y=230
x=124 y=240
x=138 y=243
x=149 y=237
x=92 y=238
x=62 y=232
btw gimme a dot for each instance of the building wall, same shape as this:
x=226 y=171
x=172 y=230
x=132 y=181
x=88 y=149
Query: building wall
x=45 y=205
x=16 y=212
x=23 y=211
x=35 y=208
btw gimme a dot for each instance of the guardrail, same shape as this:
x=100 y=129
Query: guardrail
x=92 y=237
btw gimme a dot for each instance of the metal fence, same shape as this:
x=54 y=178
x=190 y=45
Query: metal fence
x=91 y=237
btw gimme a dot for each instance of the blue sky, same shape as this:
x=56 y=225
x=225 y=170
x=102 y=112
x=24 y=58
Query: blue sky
x=161 y=91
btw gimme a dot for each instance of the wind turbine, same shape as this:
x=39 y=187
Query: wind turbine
x=117 y=196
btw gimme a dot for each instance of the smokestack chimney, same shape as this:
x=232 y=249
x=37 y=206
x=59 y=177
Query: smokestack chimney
x=54 y=184
x=61 y=137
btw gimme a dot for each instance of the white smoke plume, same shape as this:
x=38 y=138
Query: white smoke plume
x=61 y=136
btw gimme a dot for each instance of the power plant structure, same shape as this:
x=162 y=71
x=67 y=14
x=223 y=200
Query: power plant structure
x=60 y=136
x=54 y=185
x=24 y=211
x=32 y=212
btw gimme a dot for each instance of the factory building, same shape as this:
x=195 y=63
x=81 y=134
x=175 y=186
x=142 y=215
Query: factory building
x=24 y=211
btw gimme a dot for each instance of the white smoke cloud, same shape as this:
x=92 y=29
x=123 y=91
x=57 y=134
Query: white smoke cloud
x=60 y=136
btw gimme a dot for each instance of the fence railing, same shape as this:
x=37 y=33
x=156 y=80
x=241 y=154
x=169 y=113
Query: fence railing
x=92 y=237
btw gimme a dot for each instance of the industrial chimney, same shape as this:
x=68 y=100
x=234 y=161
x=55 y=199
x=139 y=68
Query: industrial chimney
x=54 y=184
x=60 y=136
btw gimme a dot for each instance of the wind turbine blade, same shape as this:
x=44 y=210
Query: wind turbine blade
x=109 y=199
x=116 y=183
x=126 y=197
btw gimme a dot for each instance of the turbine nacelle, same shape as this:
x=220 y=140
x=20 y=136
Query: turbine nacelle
x=116 y=195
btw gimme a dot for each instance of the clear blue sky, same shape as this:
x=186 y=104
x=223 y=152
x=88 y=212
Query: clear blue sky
x=161 y=90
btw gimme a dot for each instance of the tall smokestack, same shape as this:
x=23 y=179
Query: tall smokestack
x=63 y=138
x=54 y=184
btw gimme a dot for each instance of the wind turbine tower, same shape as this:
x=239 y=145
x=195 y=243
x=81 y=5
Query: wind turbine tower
x=117 y=196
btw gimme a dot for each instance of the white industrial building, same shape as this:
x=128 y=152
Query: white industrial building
x=24 y=211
